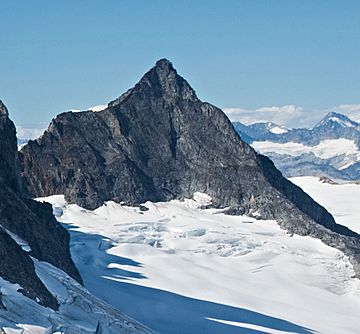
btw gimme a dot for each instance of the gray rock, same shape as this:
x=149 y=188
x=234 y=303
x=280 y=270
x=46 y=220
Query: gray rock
x=9 y=170
x=31 y=221
x=17 y=267
x=158 y=142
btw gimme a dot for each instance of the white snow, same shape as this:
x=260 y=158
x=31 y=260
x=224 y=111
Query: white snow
x=344 y=123
x=325 y=149
x=278 y=130
x=342 y=200
x=22 y=243
x=99 y=107
x=96 y=108
x=79 y=311
x=182 y=269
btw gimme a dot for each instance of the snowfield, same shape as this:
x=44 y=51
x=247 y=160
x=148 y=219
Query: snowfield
x=179 y=268
x=79 y=311
x=278 y=130
x=341 y=200
x=326 y=149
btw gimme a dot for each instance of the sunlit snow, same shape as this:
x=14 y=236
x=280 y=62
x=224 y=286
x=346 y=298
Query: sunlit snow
x=79 y=311
x=342 y=200
x=182 y=269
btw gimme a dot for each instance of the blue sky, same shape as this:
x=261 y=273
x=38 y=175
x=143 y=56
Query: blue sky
x=241 y=54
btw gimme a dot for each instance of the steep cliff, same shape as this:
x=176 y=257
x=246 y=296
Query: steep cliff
x=27 y=220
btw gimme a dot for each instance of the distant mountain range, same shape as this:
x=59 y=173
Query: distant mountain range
x=331 y=148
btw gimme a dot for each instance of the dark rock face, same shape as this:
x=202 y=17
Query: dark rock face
x=31 y=221
x=9 y=171
x=35 y=223
x=17 y=267
x=158 y=142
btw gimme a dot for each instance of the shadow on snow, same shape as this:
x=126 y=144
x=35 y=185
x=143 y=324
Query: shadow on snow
x=163 y=311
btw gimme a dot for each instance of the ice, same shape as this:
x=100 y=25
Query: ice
x=181 y=268
x=342 y=200
x=22 y=243
x=79 y=311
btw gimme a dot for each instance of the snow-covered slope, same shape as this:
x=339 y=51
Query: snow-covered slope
x=79 y=311
x=182 y=269
x=342 y=200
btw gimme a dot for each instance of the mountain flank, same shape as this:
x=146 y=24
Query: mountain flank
x=159 y=142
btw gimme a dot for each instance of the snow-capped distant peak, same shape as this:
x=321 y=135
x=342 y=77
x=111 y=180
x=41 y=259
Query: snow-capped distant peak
x=271 y=127
x=339 y=119
x=275 y=128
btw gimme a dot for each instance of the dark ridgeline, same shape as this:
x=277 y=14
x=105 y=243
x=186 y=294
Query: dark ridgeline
x=31 y=221
x=158 y=142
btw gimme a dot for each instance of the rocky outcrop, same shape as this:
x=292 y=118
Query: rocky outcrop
x=29 y=220
x=9 y=171
x=17 y=267
x=158 y=142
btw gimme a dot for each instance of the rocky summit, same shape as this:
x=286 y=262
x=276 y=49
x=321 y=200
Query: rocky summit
x=24 y=219
x=159 y=142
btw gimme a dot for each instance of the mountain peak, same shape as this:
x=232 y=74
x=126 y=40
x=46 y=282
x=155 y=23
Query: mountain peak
x=266 y=127
x=164 y=64
x=333 y=118
x=160 y=80
x=164 y=76
x=163 y=71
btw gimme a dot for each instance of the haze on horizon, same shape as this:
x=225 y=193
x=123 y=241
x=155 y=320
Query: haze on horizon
x=287 y=61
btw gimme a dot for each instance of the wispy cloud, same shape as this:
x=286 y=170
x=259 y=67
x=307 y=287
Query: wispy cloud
x=290 y=115
x=29 y=133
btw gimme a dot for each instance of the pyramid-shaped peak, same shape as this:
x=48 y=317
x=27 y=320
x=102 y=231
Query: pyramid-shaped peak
x=162 y=80
x=337 y=118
